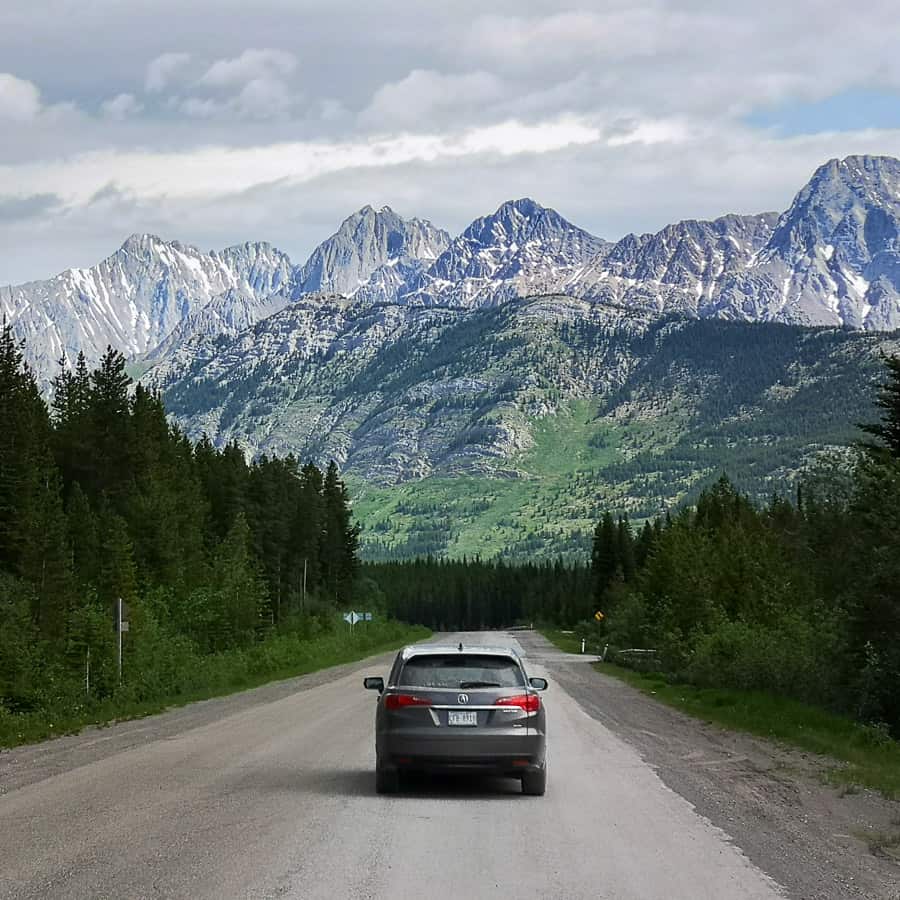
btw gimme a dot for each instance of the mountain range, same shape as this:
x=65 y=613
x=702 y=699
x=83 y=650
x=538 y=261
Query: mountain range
x=406 y=354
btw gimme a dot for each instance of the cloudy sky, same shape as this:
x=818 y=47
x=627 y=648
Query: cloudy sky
x=218 y=122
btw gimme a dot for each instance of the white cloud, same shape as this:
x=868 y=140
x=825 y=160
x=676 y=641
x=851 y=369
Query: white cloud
x=218 y=171
x=249 y=86
x=261 y=98
x=624 y=114
x=264 y=98
x=197 y=107
x=122 y=106
x=532 y=41
x=424 y=92
x=331 y=110
x=251 y=65
x=162 y=70
x=20 y=100
x=662 y=131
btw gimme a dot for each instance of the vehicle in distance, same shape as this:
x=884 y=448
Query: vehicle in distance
x=460 y=710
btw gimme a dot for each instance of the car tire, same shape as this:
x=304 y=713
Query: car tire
x=534 y=784
x=387 y=781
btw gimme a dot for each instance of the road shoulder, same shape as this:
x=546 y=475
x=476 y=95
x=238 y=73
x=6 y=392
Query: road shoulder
x=31 y=763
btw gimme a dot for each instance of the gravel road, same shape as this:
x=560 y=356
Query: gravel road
x=270 y=793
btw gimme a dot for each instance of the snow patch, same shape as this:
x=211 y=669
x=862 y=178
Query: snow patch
x=857 y=282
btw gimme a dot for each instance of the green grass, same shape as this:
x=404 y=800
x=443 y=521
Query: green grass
x=135 y=369
x=569 y=643
x=885 y=844
x=214 y=676
x=563 y=443
x=543 y=502
x=867 y=757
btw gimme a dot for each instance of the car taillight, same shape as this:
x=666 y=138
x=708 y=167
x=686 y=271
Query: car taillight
x=400 y=701
x=531 y=703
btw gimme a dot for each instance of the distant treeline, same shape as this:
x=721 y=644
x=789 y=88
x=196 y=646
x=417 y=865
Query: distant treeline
x=451 y=595
x=102 y=499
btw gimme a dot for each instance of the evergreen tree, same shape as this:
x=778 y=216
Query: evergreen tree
x=24 y=435
x=116 y=576
x=72 y=431
x=45 y=560
x=109 y=467
x=240 y=590
x=625 y=549
x=888 y=430
x=604 y=555
x=83 y=537
x=104 y=500
x=644 y=546
x=308 y=532
x=340 y=539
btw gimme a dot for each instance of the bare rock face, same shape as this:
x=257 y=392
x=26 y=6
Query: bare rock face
x=365 y=252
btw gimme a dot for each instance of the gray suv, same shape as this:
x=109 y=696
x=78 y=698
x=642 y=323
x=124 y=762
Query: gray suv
x=468 y=709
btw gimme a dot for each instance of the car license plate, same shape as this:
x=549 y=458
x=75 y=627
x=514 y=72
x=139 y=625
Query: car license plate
x=469 y=717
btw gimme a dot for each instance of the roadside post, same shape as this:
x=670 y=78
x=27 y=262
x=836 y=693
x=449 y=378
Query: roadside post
x=582 y=645
x=121 y=628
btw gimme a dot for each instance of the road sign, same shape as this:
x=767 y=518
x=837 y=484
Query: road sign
x=368 y=617
x=599 y=616
x=352 y=617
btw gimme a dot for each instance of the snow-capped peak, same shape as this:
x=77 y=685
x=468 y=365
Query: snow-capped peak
x=521 y=248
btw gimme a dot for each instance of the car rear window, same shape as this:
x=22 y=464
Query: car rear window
x=461 y=670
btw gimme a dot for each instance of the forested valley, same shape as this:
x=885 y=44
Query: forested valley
x=799 y=597
x=233 y=572
x=228 y=572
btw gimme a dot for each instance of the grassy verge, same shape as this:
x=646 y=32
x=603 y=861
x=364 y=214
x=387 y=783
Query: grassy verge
x=201 y=678
x=867 y=757
x=569 y=642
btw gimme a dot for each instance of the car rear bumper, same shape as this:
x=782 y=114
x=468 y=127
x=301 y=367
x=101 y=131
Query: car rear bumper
x=503 y=754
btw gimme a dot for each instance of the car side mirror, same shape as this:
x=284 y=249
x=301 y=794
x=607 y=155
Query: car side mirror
x=539 y=684
x=373 y=683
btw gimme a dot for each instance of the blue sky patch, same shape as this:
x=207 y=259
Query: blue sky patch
x=852 y=110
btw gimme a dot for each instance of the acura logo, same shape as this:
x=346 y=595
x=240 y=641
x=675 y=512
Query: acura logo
x=462 y=698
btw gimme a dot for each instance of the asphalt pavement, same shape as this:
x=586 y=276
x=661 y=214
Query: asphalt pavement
x=271 y=794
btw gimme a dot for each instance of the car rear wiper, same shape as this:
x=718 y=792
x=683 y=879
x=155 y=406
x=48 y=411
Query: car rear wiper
x=477 y=684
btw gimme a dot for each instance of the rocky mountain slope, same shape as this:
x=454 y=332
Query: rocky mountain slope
x=677 y=270
x=507 y=427
x=521 y=249
x=134 y=299
x=833 y=258
x=524 y=362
